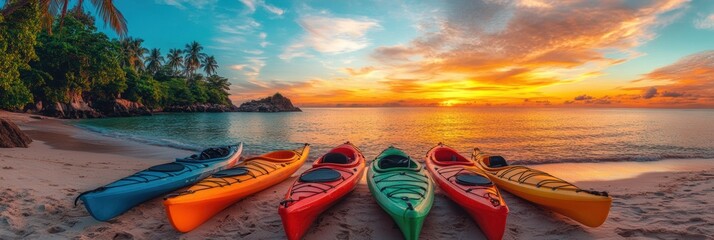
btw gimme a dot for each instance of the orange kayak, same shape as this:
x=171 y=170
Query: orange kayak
x=190 y=208
x=587 y=207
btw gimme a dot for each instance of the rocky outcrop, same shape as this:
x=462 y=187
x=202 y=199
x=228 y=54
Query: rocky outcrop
x=77 y=107
x=201 y=107
x=275 y=103
x=12 y=136
x=123 y=108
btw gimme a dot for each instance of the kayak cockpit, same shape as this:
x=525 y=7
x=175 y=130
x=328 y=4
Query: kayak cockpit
x=495 y=161
x=281 y=156
x=211 y=154
x=397 y=161
x=447 y=156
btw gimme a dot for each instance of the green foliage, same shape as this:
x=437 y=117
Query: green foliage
x=217 y=87
x=18 y=34
x=144 y=89
x=77 y=59
x=177 y=92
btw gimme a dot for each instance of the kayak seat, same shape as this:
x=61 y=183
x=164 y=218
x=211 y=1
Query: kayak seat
x=211 y=153
x=470 y=179
x=337 y=158
x=497 y=161
x=320 y=175
x=237 y=171
x=394 y=161
x=167 y=167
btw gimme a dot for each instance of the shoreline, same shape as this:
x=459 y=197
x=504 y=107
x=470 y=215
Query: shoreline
x=657 y=199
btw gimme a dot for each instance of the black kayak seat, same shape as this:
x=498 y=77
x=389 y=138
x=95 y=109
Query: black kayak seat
x=232 y=172
x=497 y=161
x=394 y=161
x=338 y=158
x=167 y=167
x=321 y=175
x=470 y=179
x=210 y=153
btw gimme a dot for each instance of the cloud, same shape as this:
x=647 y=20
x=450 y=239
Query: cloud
x=254 y=51
x=705 y=22
x=691 y=78
x=251 y=67
x=330 y=35
x=583 y=97
x=238 y=67
x=181 y=4
x=273 y=9
x=252 y=5
x=672 y=94
x=650 y=93
x=526 y=43
x=359 y=71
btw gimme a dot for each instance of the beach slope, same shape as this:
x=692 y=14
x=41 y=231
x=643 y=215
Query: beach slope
x=663 y=199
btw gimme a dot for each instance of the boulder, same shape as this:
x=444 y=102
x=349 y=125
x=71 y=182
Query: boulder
x=12 y=136
x=123 y=108
x=275 y=103
x=74 y=109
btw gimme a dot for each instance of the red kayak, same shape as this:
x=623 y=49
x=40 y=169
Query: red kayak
x=468 y=186
x=331 y=177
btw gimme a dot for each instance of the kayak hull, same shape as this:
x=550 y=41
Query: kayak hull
x=483 y=203
x=120 y=196
x=189 y=209
x=406 y=193
x=302 y=205
x=589 y=208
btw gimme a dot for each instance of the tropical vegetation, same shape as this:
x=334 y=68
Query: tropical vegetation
x=71 y=59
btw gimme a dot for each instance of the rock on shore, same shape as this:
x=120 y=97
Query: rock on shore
x=275 y=103
x=12 y=136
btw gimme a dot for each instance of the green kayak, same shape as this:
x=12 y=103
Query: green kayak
x=402 y=188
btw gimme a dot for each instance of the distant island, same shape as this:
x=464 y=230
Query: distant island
x=275 y=103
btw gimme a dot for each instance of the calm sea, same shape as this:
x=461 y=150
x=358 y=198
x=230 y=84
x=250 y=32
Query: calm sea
x=523 y=135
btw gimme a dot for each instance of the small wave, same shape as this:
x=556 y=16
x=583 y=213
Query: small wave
x=162 y=142
x=608 y=159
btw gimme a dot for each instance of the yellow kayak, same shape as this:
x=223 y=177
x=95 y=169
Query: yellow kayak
x=587 y=207
x=190 y=208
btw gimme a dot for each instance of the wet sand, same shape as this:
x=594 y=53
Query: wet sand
x=664 y=199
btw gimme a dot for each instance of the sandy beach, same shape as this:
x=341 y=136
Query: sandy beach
x=663 y=199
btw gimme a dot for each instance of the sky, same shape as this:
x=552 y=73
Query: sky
x=576 y=53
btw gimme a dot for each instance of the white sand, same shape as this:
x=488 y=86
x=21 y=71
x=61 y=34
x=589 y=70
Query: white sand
x=664 y=199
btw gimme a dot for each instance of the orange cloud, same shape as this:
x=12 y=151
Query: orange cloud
x=494 y=53
x=360 y=71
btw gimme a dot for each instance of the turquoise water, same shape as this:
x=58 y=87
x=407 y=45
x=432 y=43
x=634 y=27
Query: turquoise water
x=524 y=135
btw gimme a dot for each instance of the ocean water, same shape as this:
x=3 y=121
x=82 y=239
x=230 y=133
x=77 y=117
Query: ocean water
x=529 y=136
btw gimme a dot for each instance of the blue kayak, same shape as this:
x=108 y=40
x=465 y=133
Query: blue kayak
x=111 y=200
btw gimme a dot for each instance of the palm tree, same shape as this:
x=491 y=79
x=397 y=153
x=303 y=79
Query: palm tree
x=175 y=60
x=193 y=57
x=210 y=65
x=51 y=8
x=218 y=82
x=134 y=53
x=155 y=60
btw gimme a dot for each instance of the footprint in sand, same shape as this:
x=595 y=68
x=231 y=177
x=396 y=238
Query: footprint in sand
x=272 y=226
x=55 y=229
x=123 y=236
